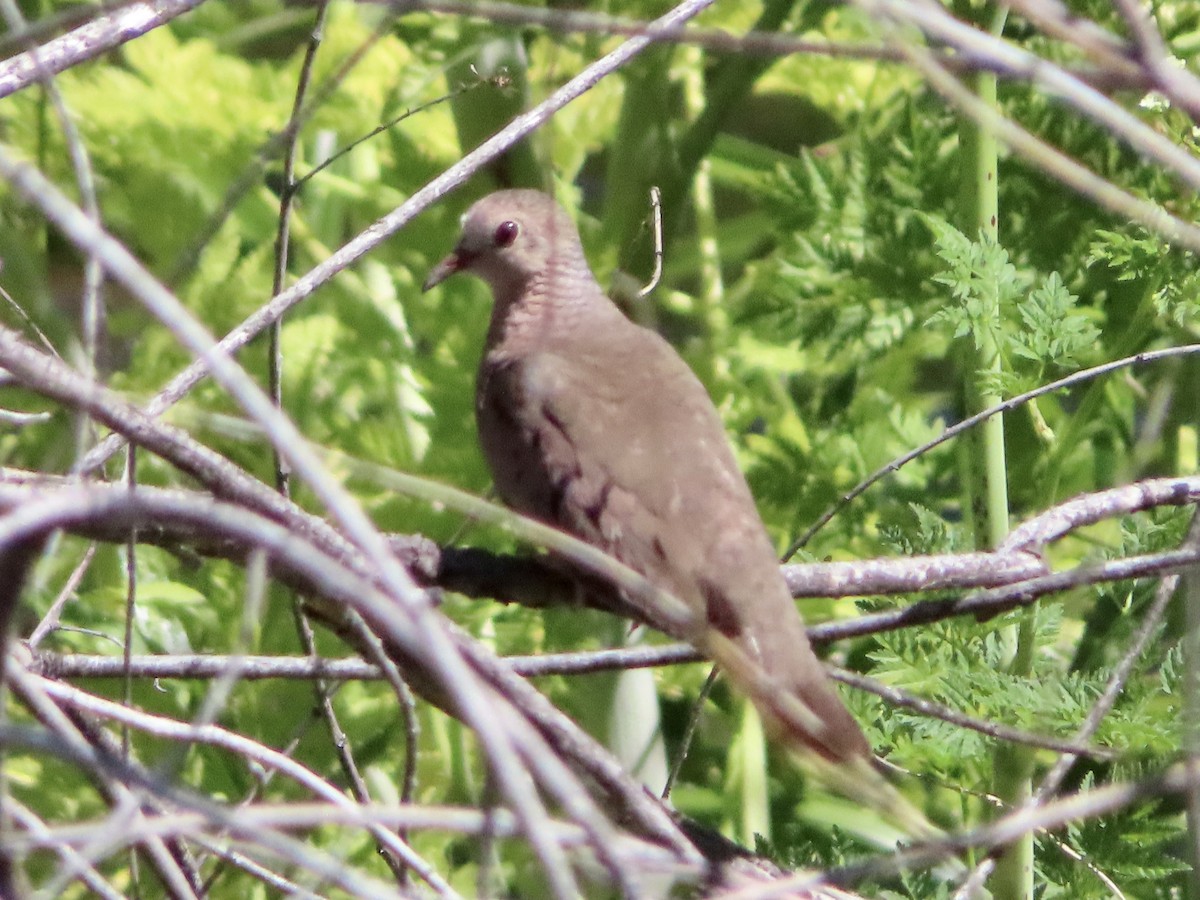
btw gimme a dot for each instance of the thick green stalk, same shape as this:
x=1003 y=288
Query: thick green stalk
x=1191 y=706
x=1013 y=766
x=980 y=203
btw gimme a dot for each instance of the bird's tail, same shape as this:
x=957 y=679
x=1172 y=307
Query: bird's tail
x=798 y=698
x=800 y=707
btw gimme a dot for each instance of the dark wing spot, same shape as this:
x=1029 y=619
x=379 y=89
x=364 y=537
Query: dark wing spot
x=560 y=489
x=719 y=610
x=558 y=492
x=595 y=509
x=549 y=416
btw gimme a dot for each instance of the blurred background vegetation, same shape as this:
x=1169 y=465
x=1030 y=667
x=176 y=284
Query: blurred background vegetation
x=819 y=276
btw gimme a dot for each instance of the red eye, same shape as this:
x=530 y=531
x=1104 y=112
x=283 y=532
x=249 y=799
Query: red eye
x=506 y=233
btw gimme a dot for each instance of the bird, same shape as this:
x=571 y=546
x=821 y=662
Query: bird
x=596 y=426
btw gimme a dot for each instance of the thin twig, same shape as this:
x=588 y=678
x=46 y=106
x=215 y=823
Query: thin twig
x=207 y=733
x=904 y=700
x=92 y=300
x=970 y=422
x=689 y=731
x=656 y=275
x=50 y=620
x=267 y=152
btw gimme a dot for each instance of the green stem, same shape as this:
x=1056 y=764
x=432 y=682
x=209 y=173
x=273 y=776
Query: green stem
x=1013 y=877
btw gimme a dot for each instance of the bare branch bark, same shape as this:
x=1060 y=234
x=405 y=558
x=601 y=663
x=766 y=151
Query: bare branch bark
x=89 y=41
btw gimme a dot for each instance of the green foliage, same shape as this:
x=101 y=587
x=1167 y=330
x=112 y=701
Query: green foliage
x=1043 y=324
x=828 y=340
x=1142 y=257
x=1130 y=849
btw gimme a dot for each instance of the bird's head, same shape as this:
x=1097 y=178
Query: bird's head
x=510 y=238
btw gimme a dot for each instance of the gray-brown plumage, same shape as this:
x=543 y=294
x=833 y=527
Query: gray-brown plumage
x=595 y=425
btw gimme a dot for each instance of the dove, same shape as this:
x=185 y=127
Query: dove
x=596 y=426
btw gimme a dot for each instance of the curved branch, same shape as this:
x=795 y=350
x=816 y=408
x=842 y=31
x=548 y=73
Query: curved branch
x=340 y=588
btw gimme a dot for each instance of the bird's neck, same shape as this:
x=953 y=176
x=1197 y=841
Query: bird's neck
x=546 y=309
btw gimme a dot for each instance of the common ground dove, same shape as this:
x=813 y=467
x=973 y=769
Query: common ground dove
x=594 y=424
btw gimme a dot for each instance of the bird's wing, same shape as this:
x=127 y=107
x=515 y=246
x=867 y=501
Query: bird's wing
x=616 y=440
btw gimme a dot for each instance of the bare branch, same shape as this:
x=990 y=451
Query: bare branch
x=89 y=41
x=376 y=234
x=1051 y=816
x=342 y=589
x=216 y=736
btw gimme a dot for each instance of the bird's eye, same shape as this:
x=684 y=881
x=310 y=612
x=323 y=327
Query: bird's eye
x=506 y=233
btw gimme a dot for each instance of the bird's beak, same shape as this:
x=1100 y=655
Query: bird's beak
x=443 y=270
